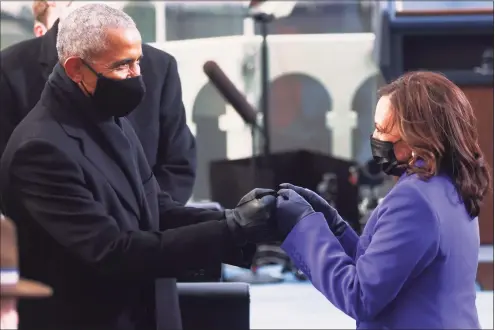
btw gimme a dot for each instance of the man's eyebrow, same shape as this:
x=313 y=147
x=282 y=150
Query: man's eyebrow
x=124 y=62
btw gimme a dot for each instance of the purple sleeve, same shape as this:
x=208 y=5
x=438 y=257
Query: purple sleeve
x=404 y=242
x=349 y=240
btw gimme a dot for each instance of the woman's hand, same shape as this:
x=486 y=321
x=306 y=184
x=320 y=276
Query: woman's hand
x=335 y=222
x=291 y=208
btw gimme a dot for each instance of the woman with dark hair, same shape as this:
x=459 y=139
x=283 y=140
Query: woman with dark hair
x=415 y=264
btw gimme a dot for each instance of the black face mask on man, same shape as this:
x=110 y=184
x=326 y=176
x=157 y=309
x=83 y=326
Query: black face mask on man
x=383 y=153
x=116 y=97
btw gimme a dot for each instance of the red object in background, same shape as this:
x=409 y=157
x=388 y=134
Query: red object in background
x=254 y=3
x=353 y=177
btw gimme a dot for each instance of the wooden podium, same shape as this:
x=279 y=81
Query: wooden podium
x=414 y=35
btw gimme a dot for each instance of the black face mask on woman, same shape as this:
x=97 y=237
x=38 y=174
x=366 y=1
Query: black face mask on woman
x=383 y=153
x=116 y=97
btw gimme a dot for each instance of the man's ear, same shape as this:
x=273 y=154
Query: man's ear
x=39 y=29
x=73 y=68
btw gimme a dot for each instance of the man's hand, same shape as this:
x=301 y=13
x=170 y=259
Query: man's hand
x=291 y=208
x=250 y=221
x=335 y=222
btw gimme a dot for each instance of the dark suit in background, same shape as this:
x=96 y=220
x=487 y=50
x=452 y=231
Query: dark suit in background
x=159 y=121
x=91 y=217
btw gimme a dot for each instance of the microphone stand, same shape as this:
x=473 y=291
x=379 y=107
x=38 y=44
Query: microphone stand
x=274 y=253
x=262 y=19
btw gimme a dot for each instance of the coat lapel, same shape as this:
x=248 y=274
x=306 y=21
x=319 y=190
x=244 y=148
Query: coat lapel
x=98 y=152
x=124 y=155
x=113 y=172
x=144 y=173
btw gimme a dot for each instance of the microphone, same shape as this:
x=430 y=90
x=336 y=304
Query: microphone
x=230 y=93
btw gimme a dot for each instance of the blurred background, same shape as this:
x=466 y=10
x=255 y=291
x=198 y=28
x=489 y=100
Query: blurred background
x=326 y=60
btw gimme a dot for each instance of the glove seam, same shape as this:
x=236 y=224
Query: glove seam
x=235 y=228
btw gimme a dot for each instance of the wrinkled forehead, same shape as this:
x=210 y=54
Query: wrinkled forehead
x=124 y=46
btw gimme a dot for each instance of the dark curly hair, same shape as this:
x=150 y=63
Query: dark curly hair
x=437 y=121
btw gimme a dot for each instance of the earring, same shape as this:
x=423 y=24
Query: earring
x=413 y=154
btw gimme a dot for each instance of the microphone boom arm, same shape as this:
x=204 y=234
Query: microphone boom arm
x=232 y=95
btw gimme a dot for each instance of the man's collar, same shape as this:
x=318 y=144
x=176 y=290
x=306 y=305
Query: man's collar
x=48 y=53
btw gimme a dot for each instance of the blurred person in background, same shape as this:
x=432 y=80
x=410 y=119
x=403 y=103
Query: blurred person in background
x=159 y=120
x=94 y=224
x=12 y=287
x=46 y=13
x=414 y=267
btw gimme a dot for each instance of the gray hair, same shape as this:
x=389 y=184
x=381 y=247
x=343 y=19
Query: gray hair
x=83 y=32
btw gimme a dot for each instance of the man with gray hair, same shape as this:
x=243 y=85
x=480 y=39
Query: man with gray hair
x=95 y=226
x=159 y=120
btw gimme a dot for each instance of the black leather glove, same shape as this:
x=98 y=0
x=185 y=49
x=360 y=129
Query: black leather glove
x=335 y=222
x=251 y=220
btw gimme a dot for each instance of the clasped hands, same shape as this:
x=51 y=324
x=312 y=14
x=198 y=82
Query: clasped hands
x=266 y=215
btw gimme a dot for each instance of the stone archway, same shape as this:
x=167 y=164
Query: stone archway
x=298 y=107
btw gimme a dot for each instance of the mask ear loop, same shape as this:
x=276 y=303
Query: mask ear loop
x=84 y=87
x=90 y=69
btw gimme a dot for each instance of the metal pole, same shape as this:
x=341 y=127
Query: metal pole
x=161 y=21
x=265 y=85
